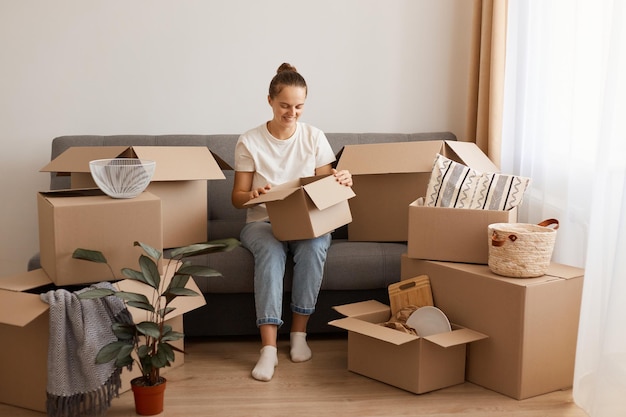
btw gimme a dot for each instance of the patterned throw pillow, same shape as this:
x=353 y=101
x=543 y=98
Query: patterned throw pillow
x=458 y=186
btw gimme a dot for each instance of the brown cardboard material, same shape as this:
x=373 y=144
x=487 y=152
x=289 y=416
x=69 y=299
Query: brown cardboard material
x=88 y=219
x=452 y=234
x=24 y=331
x=415 y=364
x=389 y=176
x=179 y=180
x=306 y=208
x=532 y=323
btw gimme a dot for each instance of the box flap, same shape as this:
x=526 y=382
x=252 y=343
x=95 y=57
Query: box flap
x=555 y=272
x=19 y=308
x=182 y=304
x=564 y=271
x=327 y=192
x=221 y=163
x=389 y=158
x=76 y=159
x=362 y=308
x=455 y=337
x=274 y=194
x=469 y=154
x=25 y=281
x=175 y=163
x=373 y=330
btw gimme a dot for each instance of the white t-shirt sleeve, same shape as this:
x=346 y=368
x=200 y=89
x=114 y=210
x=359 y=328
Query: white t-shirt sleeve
x=243 y=158
x=325 y=154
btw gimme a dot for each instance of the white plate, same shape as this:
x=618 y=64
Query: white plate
x=428 y=320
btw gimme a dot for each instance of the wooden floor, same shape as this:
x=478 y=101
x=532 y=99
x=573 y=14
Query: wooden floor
x=215 y=381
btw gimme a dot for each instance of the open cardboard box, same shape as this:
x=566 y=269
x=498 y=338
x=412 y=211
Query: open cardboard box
x=89 y=219
x=389 y=176
x=179 y=180
x=306 y=208
x=413 y=363
x=24 y=331
x=532 y=323
x=452 y=234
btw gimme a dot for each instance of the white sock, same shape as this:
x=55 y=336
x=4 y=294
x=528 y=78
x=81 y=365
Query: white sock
x=300 y=351
x=264 y=369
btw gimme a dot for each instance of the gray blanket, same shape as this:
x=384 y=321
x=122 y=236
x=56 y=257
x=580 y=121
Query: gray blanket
x=77 y=386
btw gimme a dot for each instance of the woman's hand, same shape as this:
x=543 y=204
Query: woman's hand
x=259 y=191
x=344 y=177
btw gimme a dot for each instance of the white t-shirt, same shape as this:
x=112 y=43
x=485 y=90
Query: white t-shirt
x=275 y=161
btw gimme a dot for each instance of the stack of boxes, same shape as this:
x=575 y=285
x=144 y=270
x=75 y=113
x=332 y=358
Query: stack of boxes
x=514 y=336
x=171 y=212
x=530 y=325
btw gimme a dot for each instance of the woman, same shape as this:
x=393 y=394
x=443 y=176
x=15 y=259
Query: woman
x=275 y=152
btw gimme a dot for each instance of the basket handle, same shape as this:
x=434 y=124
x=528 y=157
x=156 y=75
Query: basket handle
x=549 y=222
x=499 y=242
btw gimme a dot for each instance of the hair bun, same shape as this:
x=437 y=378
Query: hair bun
x=286 y=67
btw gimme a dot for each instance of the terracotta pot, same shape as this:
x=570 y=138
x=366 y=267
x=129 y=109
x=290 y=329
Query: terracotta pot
x=148 y=398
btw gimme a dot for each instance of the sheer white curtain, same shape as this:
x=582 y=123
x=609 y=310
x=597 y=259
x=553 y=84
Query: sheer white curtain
x=565 y=127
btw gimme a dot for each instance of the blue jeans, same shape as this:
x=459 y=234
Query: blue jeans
x=270 y=256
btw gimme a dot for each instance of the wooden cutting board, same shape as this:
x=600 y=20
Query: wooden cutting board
x=414 y=291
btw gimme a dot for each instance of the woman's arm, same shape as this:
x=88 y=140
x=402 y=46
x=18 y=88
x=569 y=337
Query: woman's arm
x=242 y=189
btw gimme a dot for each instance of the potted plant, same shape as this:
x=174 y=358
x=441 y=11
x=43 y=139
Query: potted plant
x=147 y=344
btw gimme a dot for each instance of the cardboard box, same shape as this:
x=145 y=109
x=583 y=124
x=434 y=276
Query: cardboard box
x=415 y=364
x=306 y=208
x=24 y=331
x=389 y=176
x=89 y=219
x=452 y=234
x=179 y=180
x=532 y=323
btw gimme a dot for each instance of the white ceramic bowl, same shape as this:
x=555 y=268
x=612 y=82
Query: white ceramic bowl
x=122 y=177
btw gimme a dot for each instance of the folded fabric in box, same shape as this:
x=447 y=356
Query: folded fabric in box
x=455 y=185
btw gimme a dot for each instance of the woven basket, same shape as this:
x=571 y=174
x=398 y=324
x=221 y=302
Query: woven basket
x=521 y=250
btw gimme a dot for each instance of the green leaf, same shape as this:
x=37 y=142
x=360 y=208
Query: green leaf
x=142 y=352
x=96 y=293
x=179 y=281
x=124 y=357
x=167 y=349
x=134 y=275
x=150 y=271
x=142 y=306
x=152 y=252
x=165 y=311
x=198 y=270
x=171 y=336
x=89 y=255
x=160 y=359
x=110 y=352
x=149 y=329
x=124 y=331
x=124 y=361
x=176 y=349
x=181 y=292
x=220 y=245
x=132 y=296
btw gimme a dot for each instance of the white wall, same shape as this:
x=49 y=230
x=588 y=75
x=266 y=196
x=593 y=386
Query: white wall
x=203 y=66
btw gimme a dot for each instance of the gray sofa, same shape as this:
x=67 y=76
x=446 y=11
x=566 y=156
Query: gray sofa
x=355 y=271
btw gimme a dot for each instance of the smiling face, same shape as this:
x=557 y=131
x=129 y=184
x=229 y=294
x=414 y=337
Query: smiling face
x=287 y=106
